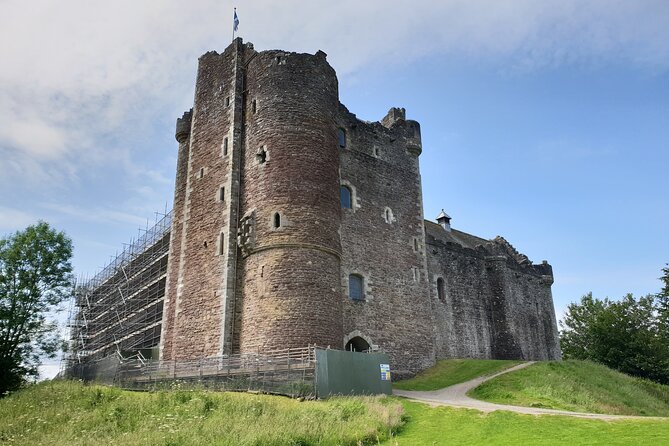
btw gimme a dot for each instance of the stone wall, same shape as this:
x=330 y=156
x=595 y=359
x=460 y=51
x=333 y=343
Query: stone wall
x=289 y=281
x=493 y=306
x=383 y=240
x=198 y=291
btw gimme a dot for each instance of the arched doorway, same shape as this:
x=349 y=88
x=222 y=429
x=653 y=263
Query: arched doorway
x=357 y=344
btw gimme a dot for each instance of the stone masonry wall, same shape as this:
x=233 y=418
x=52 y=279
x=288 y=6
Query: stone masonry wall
x=198 y=262
x=289 y=281
x=493 y=307
x=380 y=166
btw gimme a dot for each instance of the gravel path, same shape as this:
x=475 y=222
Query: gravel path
x=456 y=396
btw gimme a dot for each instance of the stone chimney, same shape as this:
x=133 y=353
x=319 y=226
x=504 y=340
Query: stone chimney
x=444 y=221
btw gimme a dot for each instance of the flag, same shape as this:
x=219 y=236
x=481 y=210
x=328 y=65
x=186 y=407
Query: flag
x=236 y=21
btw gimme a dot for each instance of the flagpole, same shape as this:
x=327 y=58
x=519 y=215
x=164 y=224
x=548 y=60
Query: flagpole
x=233 y=24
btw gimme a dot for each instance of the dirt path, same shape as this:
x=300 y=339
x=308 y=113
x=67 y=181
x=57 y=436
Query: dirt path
x=456 y=396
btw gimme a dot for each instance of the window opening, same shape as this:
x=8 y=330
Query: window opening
x=227 y=101
x=225 y=146
x=376 y=151
x=341 y=137
x=221 y=245
x=355 y=287
x=201 y=173
x=440 y=289
x=221 y=194
x=345 y=197
x=277 y=220
x=253 y=107
x=388 y=215
x=261 y=156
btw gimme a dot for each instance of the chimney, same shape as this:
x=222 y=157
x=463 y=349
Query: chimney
x=444 y=220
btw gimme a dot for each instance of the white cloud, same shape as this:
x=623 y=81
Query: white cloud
x=76 y=74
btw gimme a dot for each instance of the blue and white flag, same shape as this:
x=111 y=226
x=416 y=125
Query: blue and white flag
x=236 y=20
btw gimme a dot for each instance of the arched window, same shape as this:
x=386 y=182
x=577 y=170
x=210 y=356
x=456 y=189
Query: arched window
x=345 y=197
x=277 y=220
x=440 y=289
x=341 y=137
x=355 y=287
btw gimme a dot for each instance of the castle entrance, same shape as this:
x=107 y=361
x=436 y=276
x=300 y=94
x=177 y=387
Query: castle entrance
x=357 y=344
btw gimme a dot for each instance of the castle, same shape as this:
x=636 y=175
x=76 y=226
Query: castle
x=295 y=223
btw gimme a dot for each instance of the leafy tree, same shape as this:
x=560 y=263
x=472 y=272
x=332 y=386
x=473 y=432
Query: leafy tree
x=35 y=277
x=627 y=335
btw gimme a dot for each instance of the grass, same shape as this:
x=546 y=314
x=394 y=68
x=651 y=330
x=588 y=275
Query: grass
x=449 y=426
x=453 y=371
x=70 y=413
x=578 y=386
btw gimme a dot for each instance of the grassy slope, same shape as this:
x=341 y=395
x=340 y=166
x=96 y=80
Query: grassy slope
x=453 y=371
x=69 y=413
x=448 y=426
x=579 y=386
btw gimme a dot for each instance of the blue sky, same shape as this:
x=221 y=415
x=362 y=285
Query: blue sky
x=544 y=122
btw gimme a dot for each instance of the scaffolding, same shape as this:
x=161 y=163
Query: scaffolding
x=119 y=310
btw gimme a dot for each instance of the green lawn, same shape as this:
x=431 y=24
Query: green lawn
x=70 y=413
x=453 y=371
x=579 y=386
x=447 y=426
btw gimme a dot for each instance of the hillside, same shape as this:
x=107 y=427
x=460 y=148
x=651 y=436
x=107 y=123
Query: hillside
x=70 y=413
x=578 y=386
x=453 y=371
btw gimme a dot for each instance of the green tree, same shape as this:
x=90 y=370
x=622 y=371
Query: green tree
x=35 y=278
x=627 y=335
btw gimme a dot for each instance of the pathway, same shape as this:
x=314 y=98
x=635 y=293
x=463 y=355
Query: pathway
x=456 y=396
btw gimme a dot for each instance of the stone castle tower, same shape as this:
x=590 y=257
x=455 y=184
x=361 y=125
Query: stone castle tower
x=295 y=223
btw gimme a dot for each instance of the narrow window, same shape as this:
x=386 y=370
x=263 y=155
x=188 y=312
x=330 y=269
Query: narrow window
x=221 y=193
x=278 y=60
x=388 y=215
x=225 y=146
x=440 y=289
x=221 y=244
x=345 y=197
x=376 y=151
x=253 y=107
x=227 y=101
x=277 y=220
x=341 y=136
x=355 y=287
x=201 y=173
x=261 y=156
x=415 y=244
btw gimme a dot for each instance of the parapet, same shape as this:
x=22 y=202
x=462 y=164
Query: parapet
x=394 y=114
x=183 y=126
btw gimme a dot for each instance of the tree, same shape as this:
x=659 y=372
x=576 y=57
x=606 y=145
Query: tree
x=627 y=335
x=35 y=278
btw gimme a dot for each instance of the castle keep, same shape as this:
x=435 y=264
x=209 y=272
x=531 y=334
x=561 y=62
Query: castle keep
x=295 y=223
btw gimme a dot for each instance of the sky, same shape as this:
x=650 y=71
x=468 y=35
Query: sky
x=544 y=122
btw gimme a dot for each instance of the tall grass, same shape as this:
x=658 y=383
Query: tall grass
x=580 y=386
x=70 y=413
